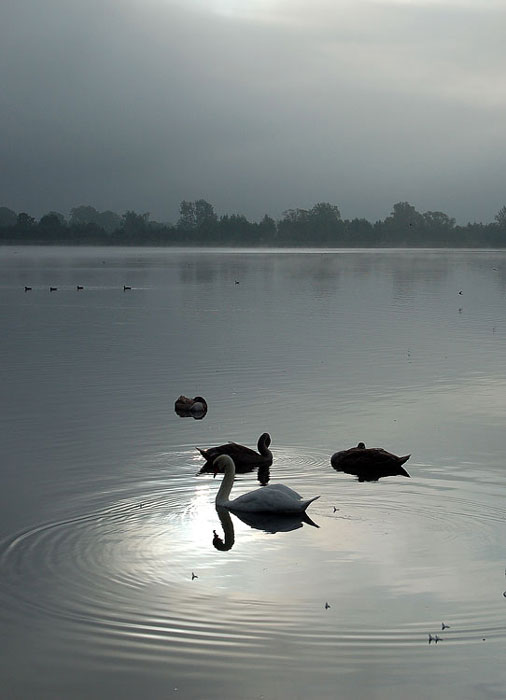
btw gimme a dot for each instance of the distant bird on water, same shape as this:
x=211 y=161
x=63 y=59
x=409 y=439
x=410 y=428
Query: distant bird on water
x=53 y=289
x=125 y=288
x=28 y=289
x=79 y=287
x=185 y=406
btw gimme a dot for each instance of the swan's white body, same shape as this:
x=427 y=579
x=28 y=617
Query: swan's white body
x=274 y=498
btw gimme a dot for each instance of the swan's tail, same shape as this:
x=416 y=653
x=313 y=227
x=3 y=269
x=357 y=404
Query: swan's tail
x=204 y=455
x=403 y=459
x=309 y=501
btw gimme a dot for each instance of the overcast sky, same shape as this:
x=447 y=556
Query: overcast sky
x=255 y=105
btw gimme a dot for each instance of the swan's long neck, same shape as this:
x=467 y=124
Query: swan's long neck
x=262 y=446
x=226 y=484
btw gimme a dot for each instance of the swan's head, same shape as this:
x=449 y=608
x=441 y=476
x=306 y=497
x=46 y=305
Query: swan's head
x=223 y=463
x=265 y=439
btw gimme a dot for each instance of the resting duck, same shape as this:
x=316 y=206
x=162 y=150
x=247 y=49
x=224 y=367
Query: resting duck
x=369 y=463
x=191 y=407
x=245 y=459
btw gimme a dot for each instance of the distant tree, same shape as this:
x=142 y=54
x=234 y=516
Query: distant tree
x=59 y=216
x=404 y=226
x=438 y=228
x=500 y=218
x=25 y=221
x=437 y=220
x=294 y=227
x=359 y=232
x=7 y=217
x=51 y=227
x=134 y=224
x=320 y=224
x=50 y=221
x=324 y=213
x=109 y=221
x=187 y=217
x=84 y=214
x=197 y=218
x=235 y=229
x=205 y=217
x=324 y=221
x=267 y=230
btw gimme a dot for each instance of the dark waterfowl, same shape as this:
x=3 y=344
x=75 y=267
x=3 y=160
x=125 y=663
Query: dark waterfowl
x=274 y=498
x=126 y=288
x=245 y=459
x=53 y=289
x=369 y=463
x=28 y=289
x=196 y=407
x=79 y=287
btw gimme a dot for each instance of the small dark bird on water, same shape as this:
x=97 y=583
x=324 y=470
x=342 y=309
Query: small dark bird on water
x=460 y=291
x=28 y=289
x=125 y=288
x=53 y=289
x=194 y=576
x=79 y=287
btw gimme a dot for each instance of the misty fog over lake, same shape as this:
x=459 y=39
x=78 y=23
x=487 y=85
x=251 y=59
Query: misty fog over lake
x=112 y=583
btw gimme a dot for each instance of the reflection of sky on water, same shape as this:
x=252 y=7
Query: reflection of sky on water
x=322 y=351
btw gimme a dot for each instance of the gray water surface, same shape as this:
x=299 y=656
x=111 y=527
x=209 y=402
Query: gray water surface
x=104 y=519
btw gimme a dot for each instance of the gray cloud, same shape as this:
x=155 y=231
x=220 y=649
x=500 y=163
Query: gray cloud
x=255 y=106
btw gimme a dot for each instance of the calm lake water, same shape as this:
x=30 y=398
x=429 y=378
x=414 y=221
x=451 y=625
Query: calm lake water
x=104 y=520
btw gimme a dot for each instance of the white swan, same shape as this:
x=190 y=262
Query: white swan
x=274 y=498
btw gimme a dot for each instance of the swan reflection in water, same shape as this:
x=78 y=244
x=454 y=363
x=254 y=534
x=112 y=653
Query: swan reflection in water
x=263 y=474
x=268 y=522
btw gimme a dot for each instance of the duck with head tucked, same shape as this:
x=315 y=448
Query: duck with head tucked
x=369 y=463
x=245 y=459
x=196 y=407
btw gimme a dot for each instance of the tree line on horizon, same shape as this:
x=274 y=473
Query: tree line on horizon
x=198 y=224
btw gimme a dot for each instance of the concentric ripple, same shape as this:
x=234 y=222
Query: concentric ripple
x=381 y=571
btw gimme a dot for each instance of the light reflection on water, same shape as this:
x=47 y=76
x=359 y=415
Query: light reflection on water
x=105 y=519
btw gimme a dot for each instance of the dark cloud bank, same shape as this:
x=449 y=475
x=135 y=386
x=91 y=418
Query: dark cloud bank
x=139 y=105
